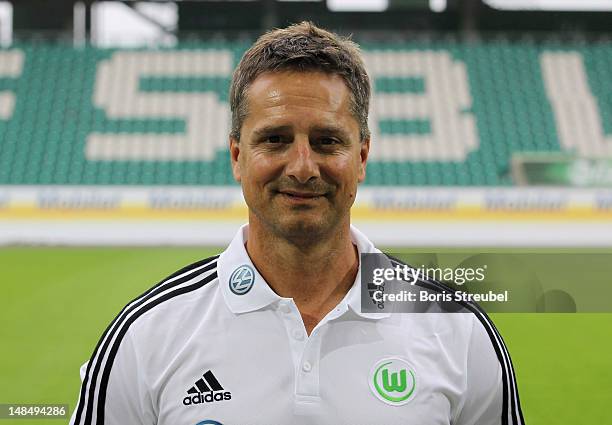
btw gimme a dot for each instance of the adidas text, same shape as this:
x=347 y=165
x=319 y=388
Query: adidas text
x=207 y=397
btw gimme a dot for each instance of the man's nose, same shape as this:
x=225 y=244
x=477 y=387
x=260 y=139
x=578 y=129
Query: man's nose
x=302 y=162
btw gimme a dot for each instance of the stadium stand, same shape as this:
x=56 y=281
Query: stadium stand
x=443 y=113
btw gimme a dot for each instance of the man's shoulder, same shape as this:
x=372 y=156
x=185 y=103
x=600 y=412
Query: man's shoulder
x=439 y=297
x=194 y=267
x=187 y=288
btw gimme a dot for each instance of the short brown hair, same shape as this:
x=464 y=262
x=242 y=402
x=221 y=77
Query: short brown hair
x=302 y=47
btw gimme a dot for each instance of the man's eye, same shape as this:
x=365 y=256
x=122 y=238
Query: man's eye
x=274 y=139
x=327 y=141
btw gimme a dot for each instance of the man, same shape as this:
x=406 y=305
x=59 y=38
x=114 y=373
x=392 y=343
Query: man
x=271 y=331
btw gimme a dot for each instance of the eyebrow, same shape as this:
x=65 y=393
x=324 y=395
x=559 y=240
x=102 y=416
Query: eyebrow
x=325 y=129
x=270 y=129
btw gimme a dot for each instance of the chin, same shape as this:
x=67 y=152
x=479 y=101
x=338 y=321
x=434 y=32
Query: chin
x=304 y=231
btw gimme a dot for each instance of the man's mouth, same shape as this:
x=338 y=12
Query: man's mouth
x=301 y=195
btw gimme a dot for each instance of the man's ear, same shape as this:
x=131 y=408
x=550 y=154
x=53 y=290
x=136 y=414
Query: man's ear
x=234 y=156
x=364 y=151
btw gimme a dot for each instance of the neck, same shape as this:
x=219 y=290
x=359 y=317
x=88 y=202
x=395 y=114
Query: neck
x=316 y=276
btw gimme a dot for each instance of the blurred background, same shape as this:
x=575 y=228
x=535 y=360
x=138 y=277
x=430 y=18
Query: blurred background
x=491 y=127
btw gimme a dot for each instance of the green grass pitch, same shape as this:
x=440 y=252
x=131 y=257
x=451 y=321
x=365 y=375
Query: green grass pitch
x=57 y=301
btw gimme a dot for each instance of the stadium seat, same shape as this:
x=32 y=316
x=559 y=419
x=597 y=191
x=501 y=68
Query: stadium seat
x=44 y=140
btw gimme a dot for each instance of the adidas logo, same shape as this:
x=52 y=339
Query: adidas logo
x=206 y=390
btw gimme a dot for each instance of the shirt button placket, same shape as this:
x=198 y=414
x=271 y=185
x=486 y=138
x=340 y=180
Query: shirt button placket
x=296 y=335
x=305 y=351
x=307 y=392
x=308 y=373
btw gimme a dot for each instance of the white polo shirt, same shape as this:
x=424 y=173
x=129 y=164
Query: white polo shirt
x=213 y=344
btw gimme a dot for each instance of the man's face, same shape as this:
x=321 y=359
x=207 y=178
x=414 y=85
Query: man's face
x=299 y=158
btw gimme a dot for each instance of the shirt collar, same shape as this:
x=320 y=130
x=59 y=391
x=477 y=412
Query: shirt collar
x=234 y=258
x=235 y=264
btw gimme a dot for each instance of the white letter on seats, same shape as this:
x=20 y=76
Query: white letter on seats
x=443 y=103
x=11 y=65
x=117 y=92
x=577 y=116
